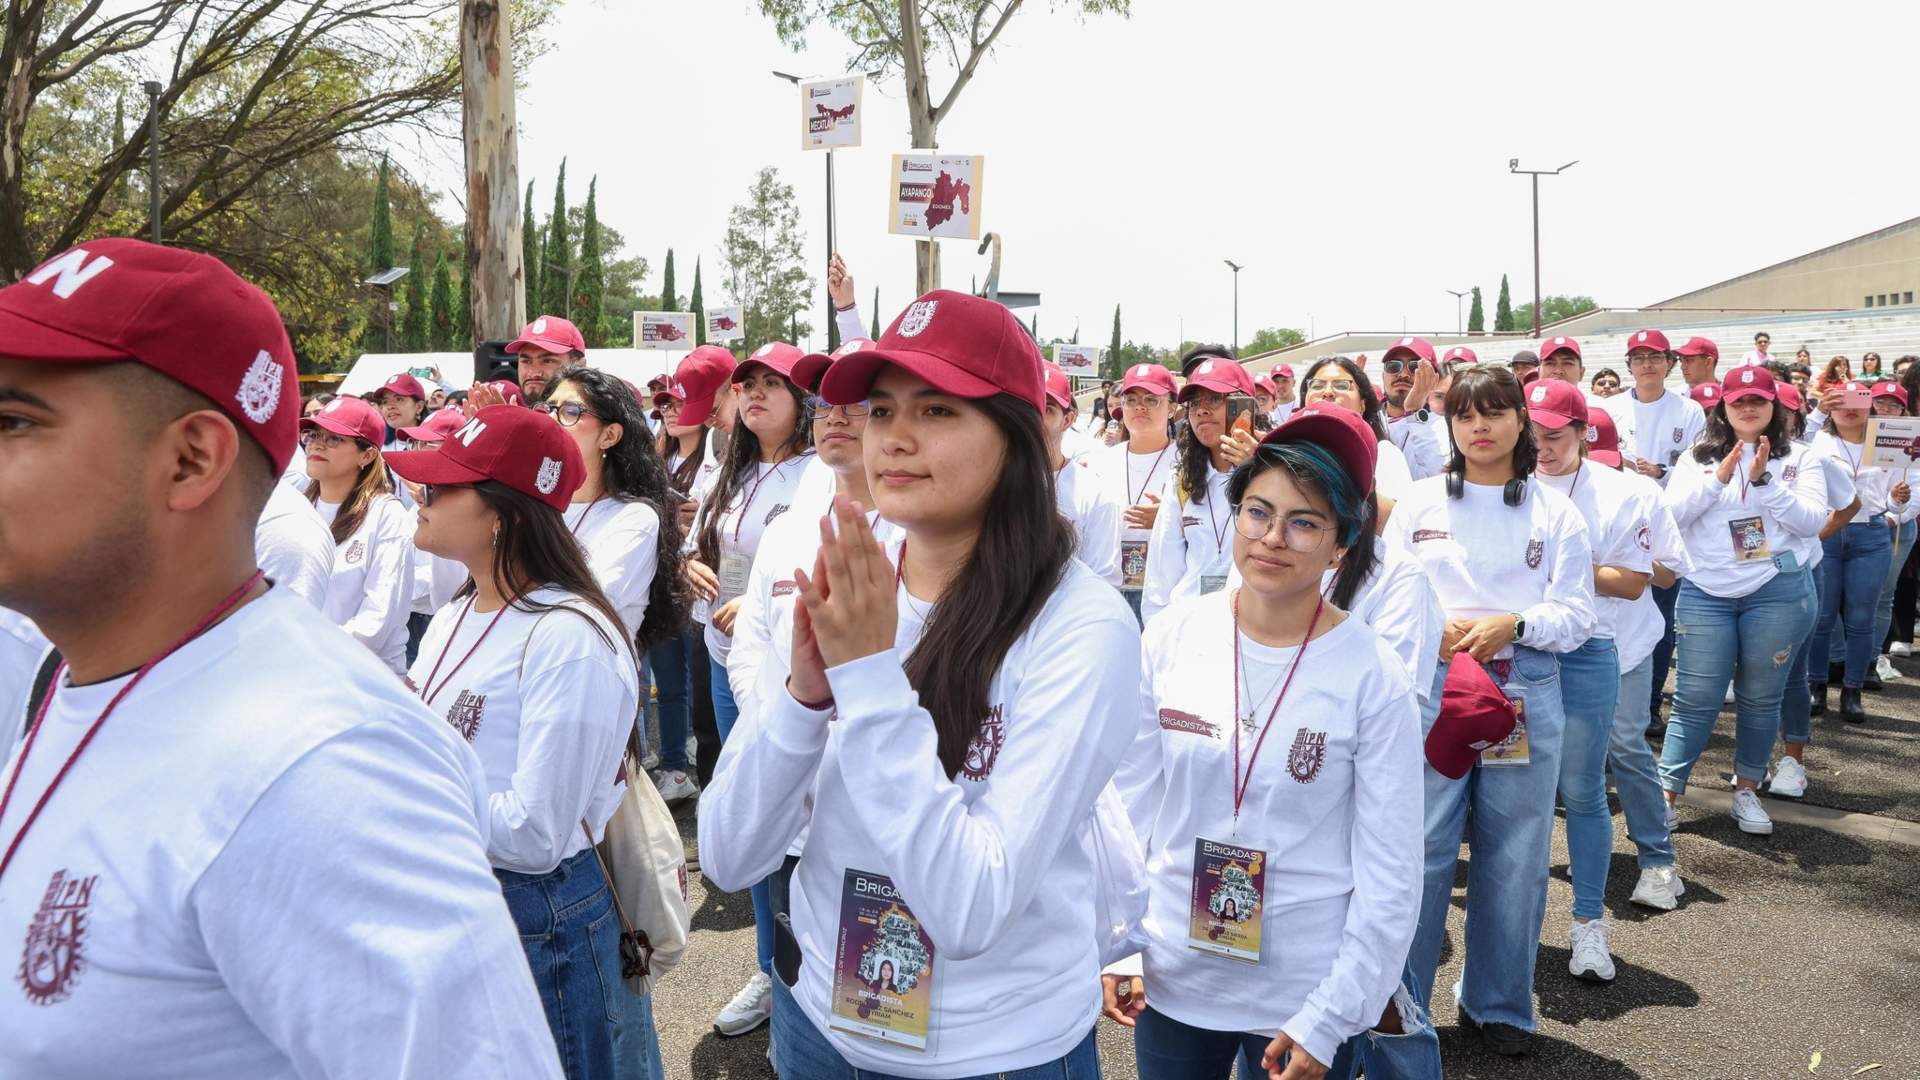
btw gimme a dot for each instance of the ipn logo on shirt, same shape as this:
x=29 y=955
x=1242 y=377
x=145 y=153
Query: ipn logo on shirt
x=56 y=939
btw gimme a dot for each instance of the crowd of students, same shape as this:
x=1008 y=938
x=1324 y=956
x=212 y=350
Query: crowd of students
x=954 y=676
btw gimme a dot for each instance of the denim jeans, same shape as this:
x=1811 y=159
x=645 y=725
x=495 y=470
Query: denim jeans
x=636 y=1044
x=1663 y=599
x=1883 y=616
x=673 y=680
x=1589 y=692
x=1634 y=774
x=1746 y=642
x=725 y=714
x=1167 y=1049
x=1414 y=1054
x=1852 y=574
x=1796 y=698
x=1505 y=814
x=802 y=1052
x=572 y=937
x=1133 y=601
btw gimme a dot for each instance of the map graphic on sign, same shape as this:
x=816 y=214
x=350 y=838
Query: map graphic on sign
x=935 y=196
x=663 y=329
x=830 y=113
x=725 y=324
x=1083 y=360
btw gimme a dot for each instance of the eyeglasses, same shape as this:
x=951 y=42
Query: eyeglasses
x=1338 y=386
x=1646 y=360
x=818 y=408
x=327 y=440
x=1142 y=401
x=1301 y=534
x=566 y=414
x=1395 y=367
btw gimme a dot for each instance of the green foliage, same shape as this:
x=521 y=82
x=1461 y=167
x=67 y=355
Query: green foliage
x=1272 y=338
x=1552 y=310
x=591 y=288
x=1477 y=314
x=529 y=255
x=698 y=303
x=440 y=328
x=557 y=267
x=380 y=248
x=1503 y=308
x=875 y=335
x=761 y=253
x=1113 y=367
x=668 y=297
x=624 y=279
x=414 y=332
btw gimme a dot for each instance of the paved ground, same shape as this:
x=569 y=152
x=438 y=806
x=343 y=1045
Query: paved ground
x=1805 y=942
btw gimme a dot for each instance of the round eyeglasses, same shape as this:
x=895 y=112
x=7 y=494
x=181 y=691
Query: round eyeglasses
x=1302 y=534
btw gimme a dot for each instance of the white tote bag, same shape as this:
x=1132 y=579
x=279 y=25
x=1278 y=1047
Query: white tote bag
x=646 y=864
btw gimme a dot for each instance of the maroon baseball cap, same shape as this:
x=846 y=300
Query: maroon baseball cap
x=1706 y=393
x=509 y=391
x=438 y=428
x=671 y=393
x=351 y=417
x=182 y=314
x=1284 y=371
x=1220 y=375
x=520 y=448
x=776 y=356
x=1059 y=390
x=552 y=333
x=404 y=385
x=808 y=370
x=1262 y=382
x=967 y=346
x=1891 y=389
x=1749 y=380
x=702 y=374
x=1648 y=339
x=1603 y=439
x=1460 y=354
x=1149 y=377
x=1474 y=715
x=1555 y=403
x=1699 y=346
x=1789 y=395
x=1417 y=348
x=1340 y=432
x=1532 y=376
x=1559 y=344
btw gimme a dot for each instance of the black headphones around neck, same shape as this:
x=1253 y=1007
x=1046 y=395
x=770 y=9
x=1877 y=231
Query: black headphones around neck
x=1513 y=493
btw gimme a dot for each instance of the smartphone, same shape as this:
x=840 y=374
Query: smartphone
x=1856 y=399
x=1240 y=412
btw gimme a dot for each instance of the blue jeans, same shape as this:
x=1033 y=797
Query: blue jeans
x=1414 y=1054
x=1852 y=574
x=1167 y=1049
x=1133 y=601
x=1589 y=692
x=802 y=1052
x=1505 y=814
x=1883 y=617
x=636 y=1045
x=572 y=937
x=1746 y=642
x=1634 y=774
x=671 y=677
x=1663 y=599
x=725 y=714
x=1796 y=698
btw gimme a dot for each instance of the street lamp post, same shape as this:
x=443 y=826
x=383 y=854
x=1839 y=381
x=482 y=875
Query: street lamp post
x=1459 y=327
x=153 y=155
x=1513 y=166
x=1236 y=268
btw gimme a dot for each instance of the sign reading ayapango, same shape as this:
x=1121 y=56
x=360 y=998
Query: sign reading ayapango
x=1893 y=441
x=726 y=324
x=936 y=195
x=663 y=329
x=830 y=113
x=1082 y=360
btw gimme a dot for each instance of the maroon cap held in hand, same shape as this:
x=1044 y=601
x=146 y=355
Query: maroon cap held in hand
x=1474 y=715
x=520 y=448
x=967 y=346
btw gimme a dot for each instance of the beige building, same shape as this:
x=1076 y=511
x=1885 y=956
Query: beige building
x=1880 y=269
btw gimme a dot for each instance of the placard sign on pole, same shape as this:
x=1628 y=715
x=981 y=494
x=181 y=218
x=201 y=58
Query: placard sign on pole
x=1079 y=360
x=663 y=329
x=830 y=112
x=726 y=324
x=936 y=195
x=1893 y=441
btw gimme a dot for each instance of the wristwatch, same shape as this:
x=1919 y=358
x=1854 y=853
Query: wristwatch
x=1519 y=626
x=1765 y=479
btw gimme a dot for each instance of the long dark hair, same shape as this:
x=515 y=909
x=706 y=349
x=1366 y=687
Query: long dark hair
x=1910 y=381
x=1019 y=559
x=534 y=547
x=1369 y=399
x=688 y=470
x=1490 y=389
x=1355 y=510
x=1718 y=439
x=373 y=482
x=634 y=473
x=743 y=457
x=1196 y=461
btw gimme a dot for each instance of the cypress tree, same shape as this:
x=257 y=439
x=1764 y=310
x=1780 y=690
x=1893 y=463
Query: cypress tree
x=440 y=307
x=1113 y=348
x=557 y=256
x=463 y=307
x=125 y=186
x=592 y=286
x=699 y=305
x=1477 y=314
x=529 y=257
x=380 y=250
x=1503 y=308
x=876 y=313
x=667 y=294
x=413 y=331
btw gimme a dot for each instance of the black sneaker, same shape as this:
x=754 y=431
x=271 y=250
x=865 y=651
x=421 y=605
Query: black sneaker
x=1503 y=1039
x=1819 y=692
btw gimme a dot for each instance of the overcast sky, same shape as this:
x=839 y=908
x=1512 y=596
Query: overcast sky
x=1352 y=156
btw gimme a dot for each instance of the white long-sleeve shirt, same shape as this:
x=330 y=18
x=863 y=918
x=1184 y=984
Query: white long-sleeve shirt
x=547 y=703
x=1483 y=557
x=1873 y=483
x=1638 y=625
x=1085 y=499
x=1659 y=431
x=622 y=541
x=1334 y=800
x=1415 y=436
x=990 y=861
x=1192 y=547
x=294 y=547
x=1618 y=514
x=1137 y=479
x=371 y=592
x=761 y=499
x=1391 y=475
x=270 y=862
x=1793 y=507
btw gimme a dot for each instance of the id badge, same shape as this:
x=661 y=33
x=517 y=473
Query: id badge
x=882 y=966
x=1511 y=750
x=1212 y=583
x=1749 y=539
x=1229 y=890
x=733 y=577
x=1133 y=564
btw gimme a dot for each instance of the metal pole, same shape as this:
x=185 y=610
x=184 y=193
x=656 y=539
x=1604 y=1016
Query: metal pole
x=153 y=157
x=1536 y=254
x=386 y=314
x=1236 y=313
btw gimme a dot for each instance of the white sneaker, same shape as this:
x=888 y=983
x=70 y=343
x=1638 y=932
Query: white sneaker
x=1884 y=668
x=1659 y=887
x=1730 y=696
x=1749 y=814
x=748 y=1009
x=1789 y=779
x=1673 y=816
x=1900 y=648
x=1591 y=960
x=676 y=787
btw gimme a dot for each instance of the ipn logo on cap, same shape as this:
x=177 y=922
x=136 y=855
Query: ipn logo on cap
x=1747 y=376
x=1205 y=368
x=259 y=393
x=539 y=326
x=548 y=477
x=1643 y=336
x=1593 y=434
x=1540 y=392
x=917 y=317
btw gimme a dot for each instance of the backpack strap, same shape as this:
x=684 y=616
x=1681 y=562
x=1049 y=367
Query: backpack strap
x=42 y=685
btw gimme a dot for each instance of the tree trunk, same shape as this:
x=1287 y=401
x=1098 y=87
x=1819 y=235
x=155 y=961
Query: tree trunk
x=16 y=98
x=493 y=171
x=925 y=131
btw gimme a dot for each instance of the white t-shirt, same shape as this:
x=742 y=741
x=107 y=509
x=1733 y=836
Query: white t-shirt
x=1192 y=547
x=1391 y=476
x=622 y=540
x=1638 y=625
x=1618 y=514
x=293 y=545
x=1415 y=437
x=435 y=580
x=1483 y=557
x=762 y=497
x=991 y=862
x=1333 y=799
x=1085 y=499
x=22 y=647
x=1873 y=483
x=1659 y=431
x=1840 y=495
x=269 y=863
x=547 y=702
x=1132 y=477
x=1730 y=561
x=370 y=594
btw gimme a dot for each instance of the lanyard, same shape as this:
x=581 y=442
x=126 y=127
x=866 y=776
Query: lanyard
x=575 y=527
x=757 y=481
x=429 y=692
x=1852 y=461
x=1133 y=498
x=1213 y=523
x=1242 y=783
x=207 y=620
